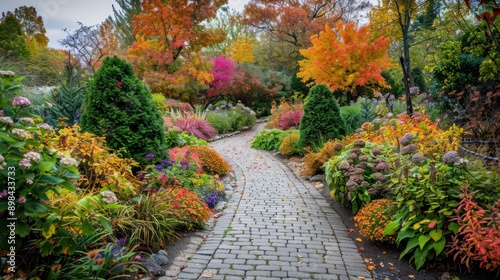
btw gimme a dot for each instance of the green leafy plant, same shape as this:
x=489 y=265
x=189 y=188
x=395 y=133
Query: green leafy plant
x=114 y=261
x=321 y=120
x=270 y=139
x=147 y=222
x=28 y=168
x=358 y=173
x=119 y=106
x=177 y=138
x=427 y=192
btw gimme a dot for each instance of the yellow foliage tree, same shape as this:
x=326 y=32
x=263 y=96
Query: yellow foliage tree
x=241 y=50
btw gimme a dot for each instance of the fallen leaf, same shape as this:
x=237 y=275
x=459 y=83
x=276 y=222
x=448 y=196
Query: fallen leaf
x=351 y=230
x=359 y=239
x=362 y=248
x=184 y=266
x=384 y=252
x=411 y=276
x=370 y=267
x=206 y=275
x=361 y=278
x=381 y=264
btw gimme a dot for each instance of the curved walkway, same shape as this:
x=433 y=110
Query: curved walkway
x=274 y=226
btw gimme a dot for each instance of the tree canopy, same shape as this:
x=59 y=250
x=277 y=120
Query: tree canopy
x=346 y=58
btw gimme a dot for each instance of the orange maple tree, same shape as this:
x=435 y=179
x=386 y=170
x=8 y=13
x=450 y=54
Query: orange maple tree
x=346 y=58
x=168 y=33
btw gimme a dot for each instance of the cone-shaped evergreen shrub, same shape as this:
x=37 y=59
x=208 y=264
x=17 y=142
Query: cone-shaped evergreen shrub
x=120 y=107
x=321 y=120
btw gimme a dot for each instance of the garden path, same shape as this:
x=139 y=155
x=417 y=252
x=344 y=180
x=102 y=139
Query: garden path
x=274 y=226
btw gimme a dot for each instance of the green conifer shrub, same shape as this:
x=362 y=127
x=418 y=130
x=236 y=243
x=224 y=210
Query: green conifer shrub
x=321 y=120
x=120 y=107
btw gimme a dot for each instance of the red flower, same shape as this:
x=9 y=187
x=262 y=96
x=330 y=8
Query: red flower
x=176 y=204
x=119 y=84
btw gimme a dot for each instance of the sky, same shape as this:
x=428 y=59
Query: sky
x=60 y=14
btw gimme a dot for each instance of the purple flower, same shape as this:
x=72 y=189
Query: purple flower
x=378 y=176
x=417 y=158
x=21 y=101
x=25 y=163
x=451 y=157
x=351 y=184
x=27 y=120
x=45 y=126
x=4 y=193
x=150 y=155
x=382 y=166
x=159 y=167
x=363 y=158
x=344 y=166
x=406 y=139
x=1 y=112
x=376 y=151
x=414 y=90
x=22 y=199
x=121 y=242
x=6 y=120
x=353 y=156
x=359 y=143
x=407 y=150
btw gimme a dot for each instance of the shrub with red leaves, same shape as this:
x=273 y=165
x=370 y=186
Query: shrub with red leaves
x=290 y=119
x=478 y=237
x=196 y=126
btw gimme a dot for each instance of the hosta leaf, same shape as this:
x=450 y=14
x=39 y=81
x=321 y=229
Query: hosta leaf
x=412 y=243
x=392 y=227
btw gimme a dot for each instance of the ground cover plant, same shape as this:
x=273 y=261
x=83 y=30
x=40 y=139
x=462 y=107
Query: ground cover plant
x=270 y=139
x=232 y=119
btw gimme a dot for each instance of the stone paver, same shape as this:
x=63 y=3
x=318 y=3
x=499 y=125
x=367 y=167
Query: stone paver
x=274 y=226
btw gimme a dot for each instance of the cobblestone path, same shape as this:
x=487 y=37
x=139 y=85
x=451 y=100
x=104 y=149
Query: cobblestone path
x=274 y=226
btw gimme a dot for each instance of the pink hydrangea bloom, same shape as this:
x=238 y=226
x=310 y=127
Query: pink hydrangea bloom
x=21 y=101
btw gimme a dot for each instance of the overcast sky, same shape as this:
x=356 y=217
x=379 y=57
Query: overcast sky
x=60 y=14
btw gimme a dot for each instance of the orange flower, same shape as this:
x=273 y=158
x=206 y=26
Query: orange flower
x=93 y=254
x=56 y=268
